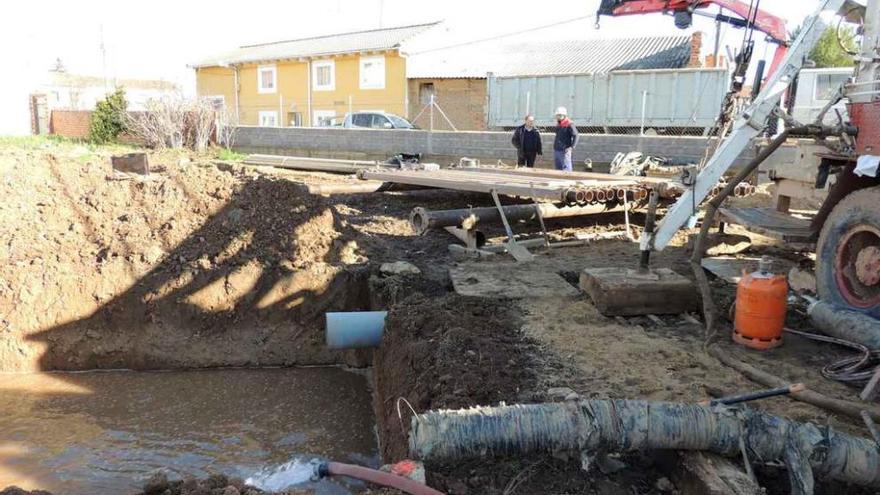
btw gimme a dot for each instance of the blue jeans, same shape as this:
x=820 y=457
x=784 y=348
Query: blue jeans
x=562 y=159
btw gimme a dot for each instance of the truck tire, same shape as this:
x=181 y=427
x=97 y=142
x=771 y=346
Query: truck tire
x=848 y=253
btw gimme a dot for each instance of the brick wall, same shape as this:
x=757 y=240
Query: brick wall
x=446 y=147
x=462 y=100
x=72 y=124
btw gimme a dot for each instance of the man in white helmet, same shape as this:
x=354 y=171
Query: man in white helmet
x=566 y=140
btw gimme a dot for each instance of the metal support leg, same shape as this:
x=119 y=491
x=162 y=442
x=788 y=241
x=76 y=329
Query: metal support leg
x=543 y=227
x=518 y=252
x=650 y=221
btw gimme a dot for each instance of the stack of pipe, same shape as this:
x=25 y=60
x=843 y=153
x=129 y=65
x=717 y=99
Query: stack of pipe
x=573 y=189
x=423 y=220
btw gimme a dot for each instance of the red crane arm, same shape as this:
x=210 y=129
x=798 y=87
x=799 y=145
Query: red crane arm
x=772 y=26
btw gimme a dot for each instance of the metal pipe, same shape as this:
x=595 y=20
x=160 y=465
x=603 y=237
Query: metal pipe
x=311 y=164
x=361 y=187
x=650 y=220
x=589 y=196
x=600 y=195
x=423 y=220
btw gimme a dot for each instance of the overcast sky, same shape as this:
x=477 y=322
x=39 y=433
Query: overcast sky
x=157 y=39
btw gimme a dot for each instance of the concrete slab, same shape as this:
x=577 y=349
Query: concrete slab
x=509 y=281
x=620 y=291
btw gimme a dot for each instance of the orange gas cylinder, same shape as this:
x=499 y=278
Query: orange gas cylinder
x=761 y=299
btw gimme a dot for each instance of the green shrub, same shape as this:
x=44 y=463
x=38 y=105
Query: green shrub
x=108 y=119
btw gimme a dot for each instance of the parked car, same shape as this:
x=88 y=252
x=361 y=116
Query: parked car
x=375 y=120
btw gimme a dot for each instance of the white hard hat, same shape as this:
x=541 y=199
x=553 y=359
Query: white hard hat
x=561 y=111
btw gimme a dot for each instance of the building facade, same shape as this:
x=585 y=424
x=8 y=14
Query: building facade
x=311 y=81
x=463 y=100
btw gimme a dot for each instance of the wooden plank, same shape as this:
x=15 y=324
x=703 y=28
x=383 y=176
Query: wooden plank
x=872 y=389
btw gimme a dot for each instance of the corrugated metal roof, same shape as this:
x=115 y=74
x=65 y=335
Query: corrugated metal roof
x=588 y=56
x=331 y=44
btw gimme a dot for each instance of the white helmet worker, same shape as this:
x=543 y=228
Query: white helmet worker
x=561 y=111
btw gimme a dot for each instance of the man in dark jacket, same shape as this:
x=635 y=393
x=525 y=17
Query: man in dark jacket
x=527 y=141
x=566 y=140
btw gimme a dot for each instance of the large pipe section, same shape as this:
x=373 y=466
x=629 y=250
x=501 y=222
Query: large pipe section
x=594 y=427
x=844 y=324
x=423 y=220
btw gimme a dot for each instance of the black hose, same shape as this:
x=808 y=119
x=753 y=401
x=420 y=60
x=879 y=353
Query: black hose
x=855 y=370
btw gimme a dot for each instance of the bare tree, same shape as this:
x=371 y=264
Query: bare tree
x=227 y=123
x=175 y=122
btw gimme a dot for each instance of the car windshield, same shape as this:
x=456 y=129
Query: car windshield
x=398 y=122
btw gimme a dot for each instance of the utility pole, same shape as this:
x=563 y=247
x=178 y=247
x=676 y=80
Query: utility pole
x=381 y=12
x=103 y=51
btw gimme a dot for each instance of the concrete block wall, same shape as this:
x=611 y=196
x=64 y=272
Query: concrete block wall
x=447 y=146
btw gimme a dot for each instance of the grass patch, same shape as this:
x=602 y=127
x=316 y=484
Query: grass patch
x=62 y=145
x=229 y=155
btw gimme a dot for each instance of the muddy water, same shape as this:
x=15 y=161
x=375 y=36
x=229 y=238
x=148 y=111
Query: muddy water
x=106 y=432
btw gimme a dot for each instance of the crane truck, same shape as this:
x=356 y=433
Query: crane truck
x=846 y=228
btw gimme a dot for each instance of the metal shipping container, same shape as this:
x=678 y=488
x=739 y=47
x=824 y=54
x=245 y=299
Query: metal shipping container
x=664 y=99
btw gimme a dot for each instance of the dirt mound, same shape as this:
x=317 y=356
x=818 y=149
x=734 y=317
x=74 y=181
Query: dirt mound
x=191 y=266
x=448 y=352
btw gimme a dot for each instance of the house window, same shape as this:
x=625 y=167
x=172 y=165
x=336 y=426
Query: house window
x=827 y=84
x=268 y=118
x=218 y=103
x=323 y=118
x=373 y=72
x=295 y=119
x=266 y=79
x=426 y=91
x=324 y=75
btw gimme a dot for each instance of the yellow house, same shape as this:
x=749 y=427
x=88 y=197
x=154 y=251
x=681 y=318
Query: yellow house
x=310 y=81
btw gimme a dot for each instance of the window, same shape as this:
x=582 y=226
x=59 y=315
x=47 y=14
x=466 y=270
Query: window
x=217 y=102
x=323 y=118
x=295 y=119
x=373 y=72
x=827 y=84
x=266 y=79
x=268 y=118
x=362 y=120
x=426 y=91
x=324 y=75
x=381 y=122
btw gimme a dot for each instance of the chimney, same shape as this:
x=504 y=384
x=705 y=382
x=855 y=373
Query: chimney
x=696 y=48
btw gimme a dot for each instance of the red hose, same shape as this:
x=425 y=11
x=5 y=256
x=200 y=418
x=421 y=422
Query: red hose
x=381 y=478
